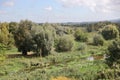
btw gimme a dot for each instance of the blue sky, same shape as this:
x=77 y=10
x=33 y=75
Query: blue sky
x=59 y=10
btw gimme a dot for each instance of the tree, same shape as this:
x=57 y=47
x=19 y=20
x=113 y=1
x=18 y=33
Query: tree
x=80 y=35
x=98 y=40
x=6 y=38
x=44 y=42
x=13 y=27
x=96 y=26
x=44 y=36
x=114 y=53
x=110 y=32
x=23 y=37
x=65 y=43
x=4 y=33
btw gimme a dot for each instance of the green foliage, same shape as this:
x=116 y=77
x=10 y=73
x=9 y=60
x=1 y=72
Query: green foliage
x=6 y=38
x=2 y=48
x=73 y=65
x=4 y=33
x=44 y=42
x=92 y=27
x=69 y=30
x=110 y=32
x=60 y=31
x=44 y=36
x=2 y=52
x=13 y=27
x=80 y=36
x=82 y=46
x=76 y=69
x=109 y=74
x=114 y=53
x=23 y=37
x=65 y=43
x=98 y=40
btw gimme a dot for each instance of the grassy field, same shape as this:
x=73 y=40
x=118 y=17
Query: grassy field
x=72 y=65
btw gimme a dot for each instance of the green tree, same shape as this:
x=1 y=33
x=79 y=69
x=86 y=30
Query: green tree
x=6 y=38
x=44 y=42
x=110 y=32
x=98 y=40
x=80 y=35
x=114 y=53
x=13 y=27
x=65 y=43
x=44 y=36
x=23 y=37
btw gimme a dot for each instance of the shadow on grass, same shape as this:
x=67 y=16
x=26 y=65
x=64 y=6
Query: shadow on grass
x=29 y=55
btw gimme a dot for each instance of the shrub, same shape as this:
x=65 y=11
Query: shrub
x=65 y=43
x=80 y=36
x=98 y=40
x=110 y=32
x=82 y=46
x=114 y=53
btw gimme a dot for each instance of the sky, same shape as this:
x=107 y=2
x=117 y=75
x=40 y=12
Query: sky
x=59 y=10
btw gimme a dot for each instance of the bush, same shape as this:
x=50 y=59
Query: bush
x=98 y=40
x=82 y=46
x=114 y=53
x=65 y=43
x=80 y=36
x=110 y=32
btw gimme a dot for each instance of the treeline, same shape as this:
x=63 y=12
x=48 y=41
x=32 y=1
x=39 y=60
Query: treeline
x=90 y=26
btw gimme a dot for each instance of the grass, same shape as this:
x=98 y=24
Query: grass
x=67 y=64
x=12 y=51
x=71 y=65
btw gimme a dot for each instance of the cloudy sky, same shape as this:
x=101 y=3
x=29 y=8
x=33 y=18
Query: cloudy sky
x=59 y=10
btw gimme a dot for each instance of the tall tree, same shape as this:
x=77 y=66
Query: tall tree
x=44 y=39
x=23 y=37
x=5 y=37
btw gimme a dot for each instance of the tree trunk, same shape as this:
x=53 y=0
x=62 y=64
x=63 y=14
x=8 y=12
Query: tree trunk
x=43 y=52
x=24 y=52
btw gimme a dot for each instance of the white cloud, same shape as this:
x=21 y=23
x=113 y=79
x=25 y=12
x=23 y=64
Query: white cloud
x=2 y=12
x=49 y=8
x=8 y=3
x=106 y=6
